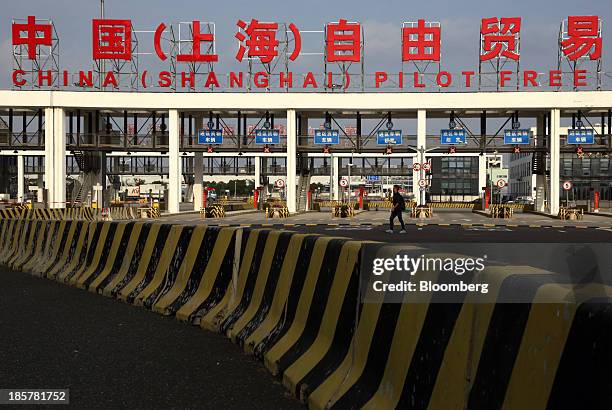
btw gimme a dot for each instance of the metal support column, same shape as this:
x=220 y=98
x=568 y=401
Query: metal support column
x=55 y=157
x=198 y=170
x=20 y=178
x=555 y=160
x=291 y=161
x=335 y=181
x=421 y=146
x=174 y=162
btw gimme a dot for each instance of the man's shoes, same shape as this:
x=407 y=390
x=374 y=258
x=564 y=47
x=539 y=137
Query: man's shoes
x=403 y=231
x=389 y=231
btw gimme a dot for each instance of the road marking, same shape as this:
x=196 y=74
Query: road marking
x=350 y=228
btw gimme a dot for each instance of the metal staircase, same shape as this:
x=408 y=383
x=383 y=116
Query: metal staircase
x=82 y=188
x=304 y=184
x=89 y=166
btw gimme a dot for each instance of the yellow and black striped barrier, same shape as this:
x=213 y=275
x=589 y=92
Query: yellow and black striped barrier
x=421 y=212
x=277 y=212
x=292 y=300
x=571 y=213
x=375 y=205
x=77 y=214
x=213 y=211
x=332 y=204
x=501 y=211
x=464 y=205
x=345 y=210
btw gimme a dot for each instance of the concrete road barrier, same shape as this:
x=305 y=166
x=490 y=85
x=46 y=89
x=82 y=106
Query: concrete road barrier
x=292 y=301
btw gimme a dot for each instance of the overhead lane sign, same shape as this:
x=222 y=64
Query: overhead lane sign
x=327 y=137
x=389 y=137
x=580 y=136
x=210 y=136
x=517 y=137
x=267 y=136
x=453 y=137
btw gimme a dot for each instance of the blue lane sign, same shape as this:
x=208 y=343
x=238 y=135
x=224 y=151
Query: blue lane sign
x=452 y=137
x=264 y=136
x=389 y=137
x=327 y=137
x=210 y=137
x=516 y=137
x=373 y=177
x=580 y=136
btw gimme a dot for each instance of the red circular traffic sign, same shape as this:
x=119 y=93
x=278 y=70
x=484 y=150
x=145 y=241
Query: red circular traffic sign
x=422 y=183
x=427 y=166
x=501 y=183
x=280 y=183
x=416 y=166
x=343 y=182
x=567 y=185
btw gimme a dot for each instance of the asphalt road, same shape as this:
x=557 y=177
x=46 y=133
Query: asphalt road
x=453 y=233
x=113 y=355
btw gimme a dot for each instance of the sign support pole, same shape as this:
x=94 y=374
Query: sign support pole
x=421 y=144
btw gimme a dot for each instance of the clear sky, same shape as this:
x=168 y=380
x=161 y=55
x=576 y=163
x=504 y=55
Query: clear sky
x=382 y=21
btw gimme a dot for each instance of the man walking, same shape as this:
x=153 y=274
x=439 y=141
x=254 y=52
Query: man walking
x=399 y=205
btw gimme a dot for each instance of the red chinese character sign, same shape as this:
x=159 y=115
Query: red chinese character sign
x=500 y=52
x=344 y=47
x=197 y=38
x=580 y=49
x=343 y=42
x=193 y=42
x=112 y=39
x=35 y=53
x=263 y=42
x=258 y=40
x=421 y=42
x=32 y=35
x=581 y=38
x=500 y=38
x=273 y=45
